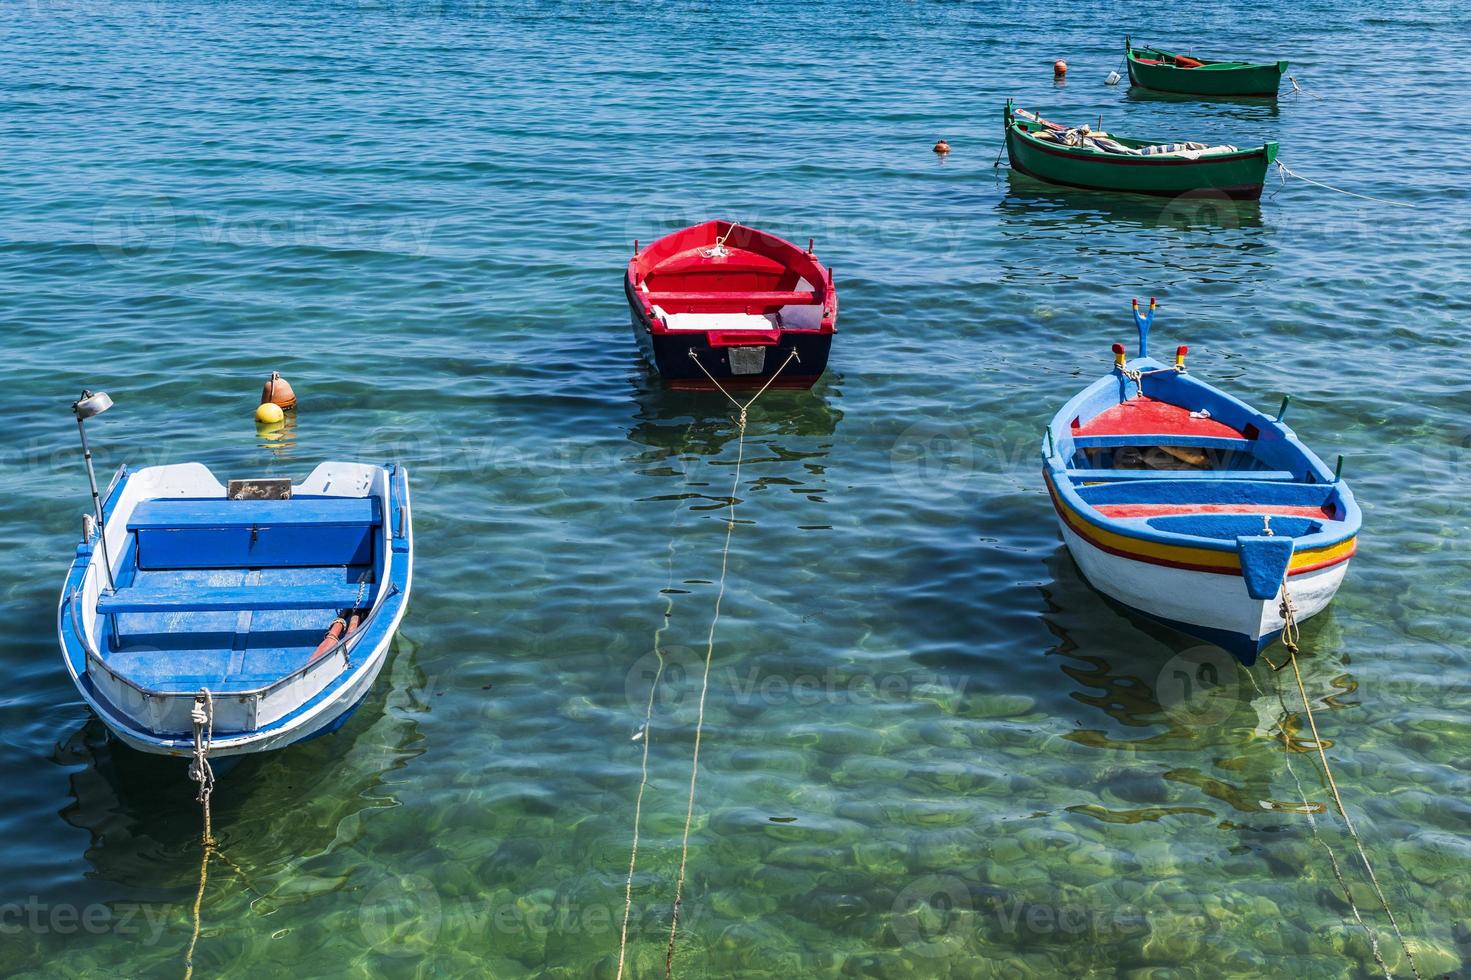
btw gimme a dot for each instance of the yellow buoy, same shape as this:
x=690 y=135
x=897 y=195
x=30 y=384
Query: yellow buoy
x=269 y=413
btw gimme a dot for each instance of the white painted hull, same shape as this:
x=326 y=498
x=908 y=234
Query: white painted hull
x=309 y=724
x=1208 y=605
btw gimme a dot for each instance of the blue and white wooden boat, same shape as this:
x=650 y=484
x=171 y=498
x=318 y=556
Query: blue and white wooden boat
x=1192 y=507
x=235 y=596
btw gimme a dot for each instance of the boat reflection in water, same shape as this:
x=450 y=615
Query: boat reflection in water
x=1028 y=198
x=675 y=430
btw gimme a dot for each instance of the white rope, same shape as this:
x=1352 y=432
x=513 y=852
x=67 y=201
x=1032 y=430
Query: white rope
x=689 y=813
x=1283 y=169
x=718 y=250
x=1299 y=90
x=647 y=735
x=202 y=718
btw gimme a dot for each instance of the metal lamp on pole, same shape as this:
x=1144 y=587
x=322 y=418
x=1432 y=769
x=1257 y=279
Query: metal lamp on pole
x=84 y=408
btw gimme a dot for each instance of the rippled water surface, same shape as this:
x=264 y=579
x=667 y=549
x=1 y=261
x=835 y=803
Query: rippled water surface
x=929 y=748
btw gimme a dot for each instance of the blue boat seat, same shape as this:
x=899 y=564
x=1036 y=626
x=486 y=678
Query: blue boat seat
x=186 y=532
x=1103 y=476
x=243 y=597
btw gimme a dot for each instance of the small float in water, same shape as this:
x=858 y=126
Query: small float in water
x=1081 y=157
x=1166 y=72
x=269 y=604
x=722 y=303
x=1188 y=505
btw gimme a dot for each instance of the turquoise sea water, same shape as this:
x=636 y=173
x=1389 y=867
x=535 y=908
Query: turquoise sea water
x=929 y=748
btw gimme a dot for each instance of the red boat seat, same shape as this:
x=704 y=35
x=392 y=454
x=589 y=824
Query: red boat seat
x=733 y=297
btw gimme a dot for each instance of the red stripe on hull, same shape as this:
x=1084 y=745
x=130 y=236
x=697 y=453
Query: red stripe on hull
x=1081 y=529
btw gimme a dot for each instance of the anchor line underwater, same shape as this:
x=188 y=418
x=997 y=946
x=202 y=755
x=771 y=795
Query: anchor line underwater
x=710 y=647
x=646 y=736
x=1307 y=810
x=741 y=418
x=1290 y=637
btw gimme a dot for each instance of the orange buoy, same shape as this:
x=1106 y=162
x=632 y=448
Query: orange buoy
x=278 y=392
x=942 y=147
x=1059 y=67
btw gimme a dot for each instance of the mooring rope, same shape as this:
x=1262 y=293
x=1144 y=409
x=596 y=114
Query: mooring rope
x=202 y=718
x=1299 y=90
x=1290 y=638
x=689 y=813
x=1284 y=171
x=647 y=735
x=718 y=250
x=1307 y=810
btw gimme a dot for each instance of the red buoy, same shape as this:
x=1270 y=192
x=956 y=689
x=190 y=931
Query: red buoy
x=1059 y=68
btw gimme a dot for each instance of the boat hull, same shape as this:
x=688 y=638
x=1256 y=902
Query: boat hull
x=326 y=717
x=722 y=304
x=1247 y=81
x=669 y=355
x=1209 y=606
x=1239 y=176
x=311 y=701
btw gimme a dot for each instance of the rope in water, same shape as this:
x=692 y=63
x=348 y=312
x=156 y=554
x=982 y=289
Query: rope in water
x=643 y=783
x=1299 y=90
x=202 y=718
x=1290 y=638
x=689 y=812
x=1283 y=171
x=1307 y=810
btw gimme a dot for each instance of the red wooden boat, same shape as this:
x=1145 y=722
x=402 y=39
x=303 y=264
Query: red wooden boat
x=725 y=302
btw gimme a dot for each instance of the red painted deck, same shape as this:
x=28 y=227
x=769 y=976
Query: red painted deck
x=1146 y=416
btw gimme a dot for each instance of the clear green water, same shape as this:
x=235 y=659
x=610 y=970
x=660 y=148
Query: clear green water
x=419 y=212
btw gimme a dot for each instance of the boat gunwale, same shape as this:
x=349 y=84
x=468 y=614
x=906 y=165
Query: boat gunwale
x=787 y=254
x=1267 y=149
x=1064 y=490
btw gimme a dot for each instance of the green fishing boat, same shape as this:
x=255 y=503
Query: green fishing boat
x=1166 y=72
x=1079 y=157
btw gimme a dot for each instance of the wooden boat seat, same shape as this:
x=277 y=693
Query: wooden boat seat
x=230 y=599
x=216 y=533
